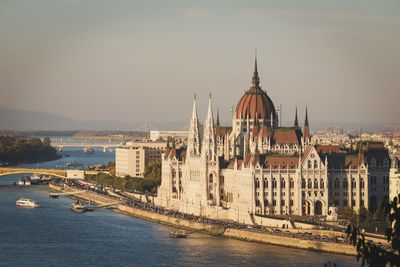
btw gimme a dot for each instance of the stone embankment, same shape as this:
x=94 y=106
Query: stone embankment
x=241 y=234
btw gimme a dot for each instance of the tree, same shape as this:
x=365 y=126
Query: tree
x=350 y=216
x=372 y=254
x=111 y=166
x=46 y=141
x=152 y=171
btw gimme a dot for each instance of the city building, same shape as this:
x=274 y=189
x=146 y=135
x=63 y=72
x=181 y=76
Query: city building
x=331 y=137
x=394 y=187
x=256 y=168
x=163 y=135
x=132 y=158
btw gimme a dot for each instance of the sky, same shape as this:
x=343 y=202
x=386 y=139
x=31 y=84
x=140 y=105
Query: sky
x=142 y=61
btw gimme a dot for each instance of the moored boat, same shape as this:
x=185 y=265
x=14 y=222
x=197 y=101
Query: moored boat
x=24 y=181
x=73 y=164
x=178 y=234
x=27 y=203
x=79 y=207
x=88 y=150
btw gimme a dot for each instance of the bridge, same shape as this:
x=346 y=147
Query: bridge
x=53 y=172
x=106 y=146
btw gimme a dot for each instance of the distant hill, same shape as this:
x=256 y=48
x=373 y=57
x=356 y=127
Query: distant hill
x=20 y=120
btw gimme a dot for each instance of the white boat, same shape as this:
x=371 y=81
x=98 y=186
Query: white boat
x=26 y=203
x=23 y=182
x=78 y=207
x=35 y=177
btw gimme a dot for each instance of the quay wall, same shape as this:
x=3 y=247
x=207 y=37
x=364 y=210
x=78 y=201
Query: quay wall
x=172 y=221
x=338 y=248
x=247 y=235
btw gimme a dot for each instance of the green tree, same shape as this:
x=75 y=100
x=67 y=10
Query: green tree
x=152 y=171
x=372 y=254
x=46 y=141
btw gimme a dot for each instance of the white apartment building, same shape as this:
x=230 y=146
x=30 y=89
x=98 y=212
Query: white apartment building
x=132 y=158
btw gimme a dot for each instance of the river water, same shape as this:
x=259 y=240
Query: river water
x=53 y=235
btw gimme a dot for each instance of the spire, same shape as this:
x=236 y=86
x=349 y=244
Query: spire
x=209 y=136
x=193 y=147
x=296 y=120
x=218 y=118
x=306 y=120
x=306 y=132
x=256 y=79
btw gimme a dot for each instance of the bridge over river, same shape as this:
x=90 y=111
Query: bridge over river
x=105 y=146
x=62 y=173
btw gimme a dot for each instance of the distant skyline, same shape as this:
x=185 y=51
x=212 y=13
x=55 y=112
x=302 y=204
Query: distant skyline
x=142 y=61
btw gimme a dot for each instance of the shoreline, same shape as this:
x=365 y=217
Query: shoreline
x=16 y=164
x=239 y=234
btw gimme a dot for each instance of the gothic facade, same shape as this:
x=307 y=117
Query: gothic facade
x=257 y=168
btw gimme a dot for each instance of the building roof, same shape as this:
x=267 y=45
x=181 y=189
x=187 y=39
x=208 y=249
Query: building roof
x=287 y=135
x=221 y=131
x=255 y=103
x=278 y=161
x=325 y=149
x=179 y=154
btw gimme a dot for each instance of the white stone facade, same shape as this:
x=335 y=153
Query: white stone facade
x=250 y=170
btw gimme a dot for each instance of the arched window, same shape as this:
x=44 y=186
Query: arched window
x=257 y=183
x=321 y=184
x=283 y=183
x=315 y=183
x=173 y=173
x=303 y=183
x=336 y=183
x=362 y=183
x=309 y=165
x=345 y=184
x=309 y=183
x=353 y=183
x=210 y=178
x=315 y=164
x=274 y=185
x=265 y=183
x=291 y=183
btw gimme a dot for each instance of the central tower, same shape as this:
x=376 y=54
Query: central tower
x=256 y=105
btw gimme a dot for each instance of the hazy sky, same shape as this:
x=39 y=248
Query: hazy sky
x=139 y=61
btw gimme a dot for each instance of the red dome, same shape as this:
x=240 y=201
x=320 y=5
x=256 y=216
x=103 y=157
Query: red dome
x=255 y=102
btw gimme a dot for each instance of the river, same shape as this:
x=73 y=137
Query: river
x=53 y=235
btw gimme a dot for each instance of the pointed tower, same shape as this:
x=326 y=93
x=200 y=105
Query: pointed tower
x=218 y=124
x=209 y=151
x=306 y=132
x=193 y=147
x=255 y=79
x=296 y=120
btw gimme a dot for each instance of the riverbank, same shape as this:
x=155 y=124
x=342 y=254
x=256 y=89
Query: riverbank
x=241 y=234
x=41 y=160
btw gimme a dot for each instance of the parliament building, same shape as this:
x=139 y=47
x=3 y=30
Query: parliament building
x=257 y=168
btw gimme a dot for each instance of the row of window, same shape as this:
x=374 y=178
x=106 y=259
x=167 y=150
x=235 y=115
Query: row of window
x=345 y=183
x=345 y=202
x=309 y=184
x=273 y=203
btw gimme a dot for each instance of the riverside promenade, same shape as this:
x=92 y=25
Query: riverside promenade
x=254 y=235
